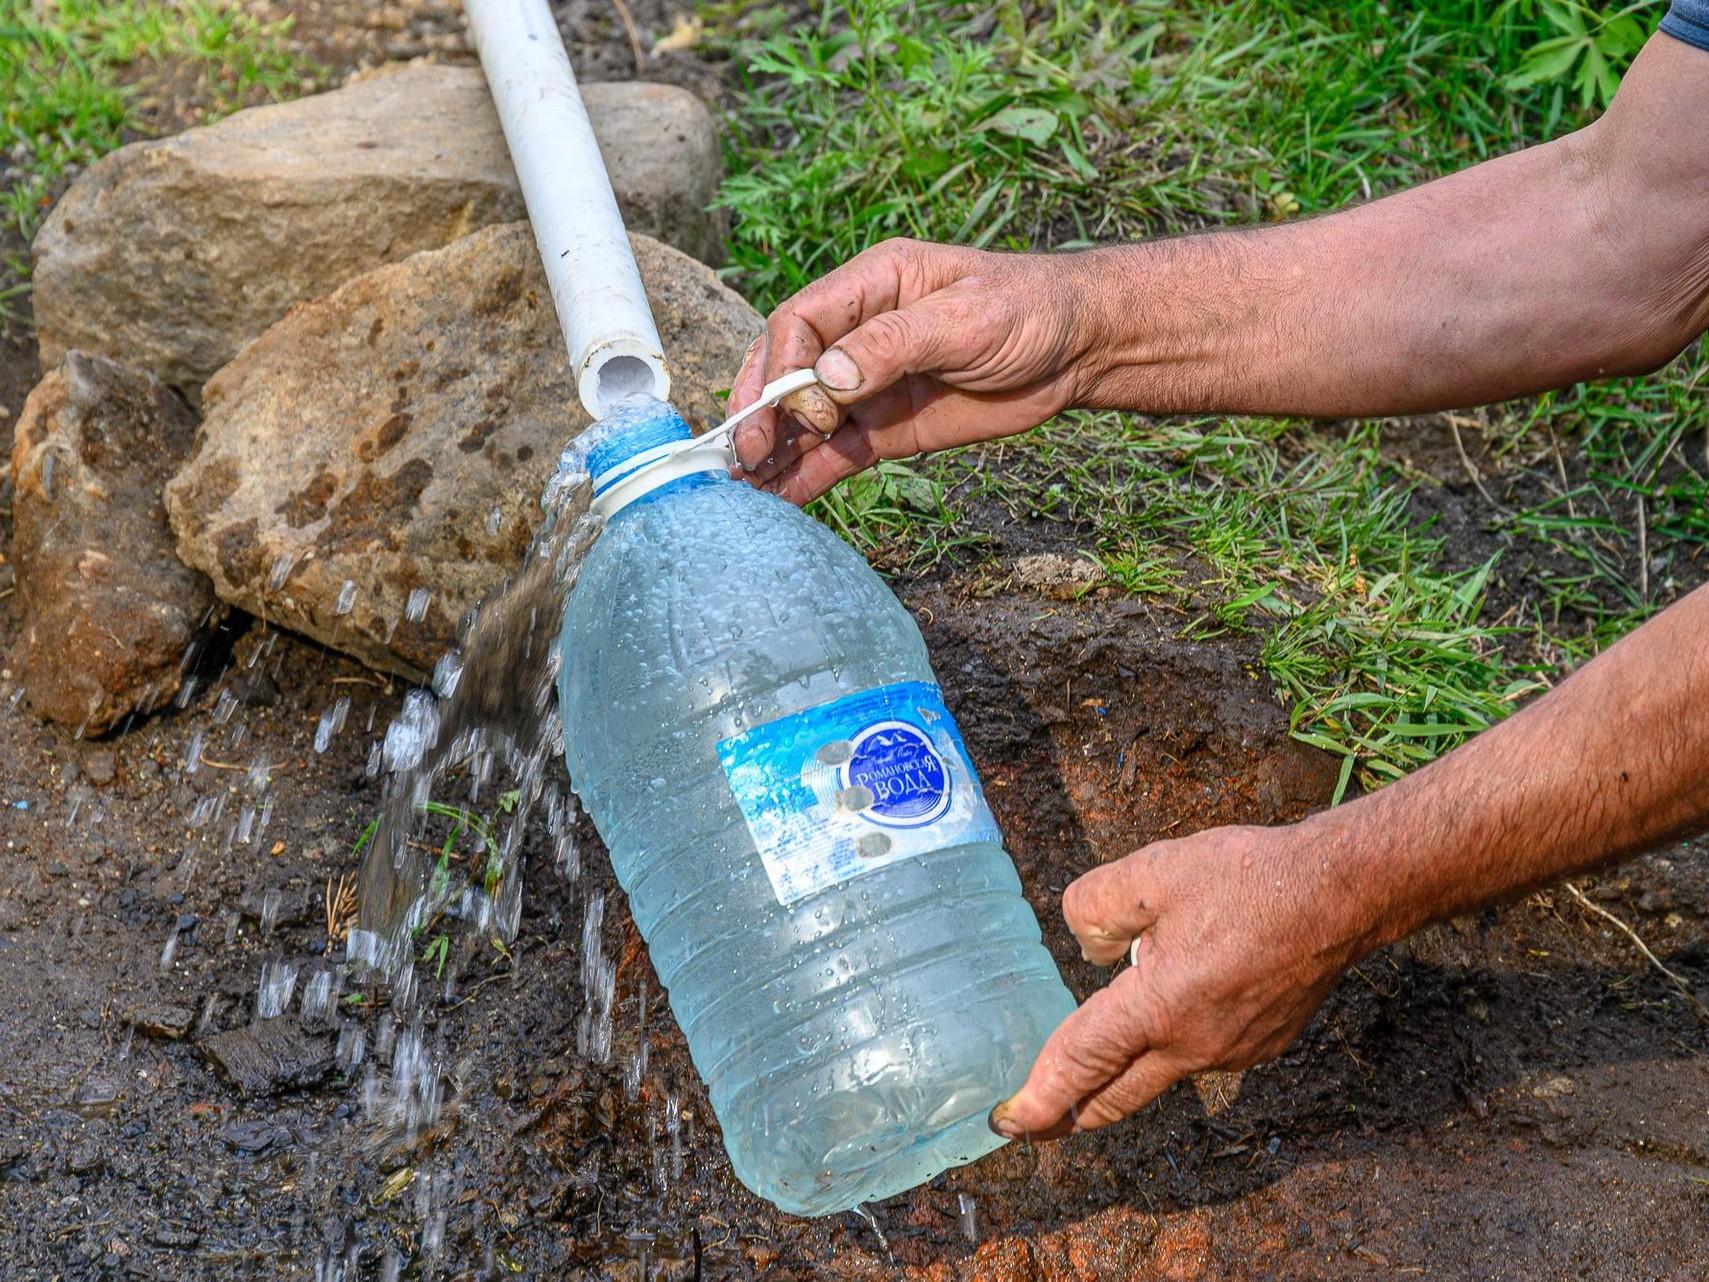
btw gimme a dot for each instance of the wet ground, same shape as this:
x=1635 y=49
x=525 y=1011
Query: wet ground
x=1514 y=1095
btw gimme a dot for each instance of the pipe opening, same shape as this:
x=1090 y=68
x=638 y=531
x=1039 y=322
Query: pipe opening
x=624 y=376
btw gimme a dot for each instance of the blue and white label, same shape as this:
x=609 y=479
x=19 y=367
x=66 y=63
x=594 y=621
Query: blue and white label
x=853 y=785
x=895 y=764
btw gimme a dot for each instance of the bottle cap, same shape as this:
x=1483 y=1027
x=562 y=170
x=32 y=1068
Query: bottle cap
x=640 y=446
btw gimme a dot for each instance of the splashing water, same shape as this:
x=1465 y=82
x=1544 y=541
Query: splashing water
x=492 y=704
x=599 y=986
x=278 y=982
x=317 y=997
x=488 y=727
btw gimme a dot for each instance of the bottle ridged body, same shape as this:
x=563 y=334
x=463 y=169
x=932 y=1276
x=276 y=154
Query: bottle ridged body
x=854 y=1041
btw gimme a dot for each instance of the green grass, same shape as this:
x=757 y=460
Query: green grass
x=74 y=74
x=1306 y=540
x=1057 y=125
x=1078 y=123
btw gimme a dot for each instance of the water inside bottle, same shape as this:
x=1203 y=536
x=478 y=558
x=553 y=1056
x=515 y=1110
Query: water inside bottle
x=802 y=839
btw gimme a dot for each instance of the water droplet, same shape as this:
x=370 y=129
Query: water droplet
x=969 y=1227
x=193 y=751
x=281 y=570
x=352 y=1045
x=317 y=997
x=270 y=901
x=278 y=982
x=331 y=722
x=446 y=674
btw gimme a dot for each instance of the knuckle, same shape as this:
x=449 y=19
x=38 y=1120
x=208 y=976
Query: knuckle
x=890 y=332
x=1077 y=905
x=1117 y=1100
x=886 y=257
x=1146 y=1010
x=1082 y=1059
x=967 y=307
x=789 y=340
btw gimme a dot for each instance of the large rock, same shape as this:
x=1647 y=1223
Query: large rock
x=171 y=255
x=397 y=435
x=108 y=609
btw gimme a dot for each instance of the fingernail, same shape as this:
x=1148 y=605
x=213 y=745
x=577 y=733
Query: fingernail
x=818 y=411
x=837 y=371
x=743 y=439
x=1002 y=1125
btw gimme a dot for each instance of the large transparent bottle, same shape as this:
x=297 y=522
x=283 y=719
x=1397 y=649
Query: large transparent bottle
x=752 y=723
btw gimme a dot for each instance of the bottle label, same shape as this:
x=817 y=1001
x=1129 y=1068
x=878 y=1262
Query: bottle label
x=855 y=784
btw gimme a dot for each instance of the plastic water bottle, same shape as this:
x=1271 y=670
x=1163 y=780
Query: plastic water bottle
x=751 y=721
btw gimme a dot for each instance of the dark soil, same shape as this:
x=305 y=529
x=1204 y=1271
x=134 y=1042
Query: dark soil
x=1516 y=1095
x=1512 y=1096
x=1472 y=489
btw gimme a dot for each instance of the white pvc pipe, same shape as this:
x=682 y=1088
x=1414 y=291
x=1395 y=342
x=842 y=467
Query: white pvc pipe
x=602 y=309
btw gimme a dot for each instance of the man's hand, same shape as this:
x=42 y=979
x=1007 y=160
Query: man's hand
x=1240 y=938
x=919 y=347
x=1242 y=931
x=1584 y=257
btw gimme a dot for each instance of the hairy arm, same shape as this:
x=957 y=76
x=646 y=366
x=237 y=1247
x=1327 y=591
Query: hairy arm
x=1580 y=258
x=1242 y=931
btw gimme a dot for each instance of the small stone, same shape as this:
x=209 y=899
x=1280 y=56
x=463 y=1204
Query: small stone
x=253 y=1135
x=175 y=1237
x=97 y=1097
x=268 y=1057
x=169 y=1022
x=1059 y=577
x=86 y=1158
x=100 y=767
x=108 y=608
x=1555 y=1087
x=273 y=907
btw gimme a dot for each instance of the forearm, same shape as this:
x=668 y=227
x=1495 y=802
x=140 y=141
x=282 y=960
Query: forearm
x=1612 y=762
x=1584 y=257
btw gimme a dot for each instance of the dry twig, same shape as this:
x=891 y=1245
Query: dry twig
x=1454 y=421
x=340 y=908
x=1643 y=552
x=634 y=35
x=1677 y=979
x=367 y=680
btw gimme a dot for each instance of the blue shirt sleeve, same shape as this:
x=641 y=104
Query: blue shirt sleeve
x=1688 y=20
